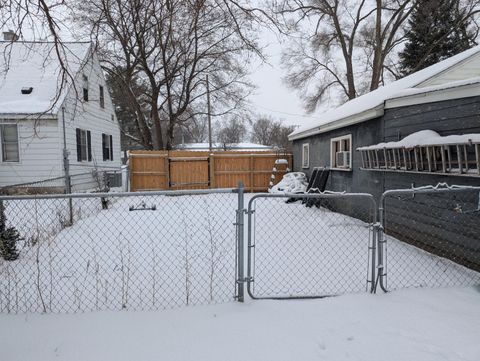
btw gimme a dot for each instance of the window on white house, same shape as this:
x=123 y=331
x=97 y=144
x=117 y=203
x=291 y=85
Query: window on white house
x=107 y=147
x=305 y=155
x=341 y=152
x=102 y=97
x=84 y=146
x=10 y=149
x=85 y=88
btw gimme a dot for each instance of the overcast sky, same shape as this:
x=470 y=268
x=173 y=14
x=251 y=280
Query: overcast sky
x=273 y=97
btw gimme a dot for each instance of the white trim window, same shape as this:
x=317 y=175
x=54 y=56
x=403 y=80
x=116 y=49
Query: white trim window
x=107 y=147
x=102 y=96
x=85 y=88
x=84 y=145
x=9 y=140
x=341 y=152
x=305 y=155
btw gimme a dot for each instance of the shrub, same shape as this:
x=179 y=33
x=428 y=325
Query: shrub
x=9 y=237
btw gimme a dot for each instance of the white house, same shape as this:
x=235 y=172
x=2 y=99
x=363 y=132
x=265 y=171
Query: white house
x=47 y=113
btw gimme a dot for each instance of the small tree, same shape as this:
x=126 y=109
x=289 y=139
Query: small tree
x=267 y=131
x=9 y=237
x=438 y=29
x=232 y=131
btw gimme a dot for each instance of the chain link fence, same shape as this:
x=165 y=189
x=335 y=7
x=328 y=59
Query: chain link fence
x=156 y=250
x=431 y=237
x=118 y=251
x=310 y=247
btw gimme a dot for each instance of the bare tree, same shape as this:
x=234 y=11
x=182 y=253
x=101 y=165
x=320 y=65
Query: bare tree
x=231 y=132
x=346 y=47
x=268 y=131
x=172 y=45
x=196 y=129
x=335 y=43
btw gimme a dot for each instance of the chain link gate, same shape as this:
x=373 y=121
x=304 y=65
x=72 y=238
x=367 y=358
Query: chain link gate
x=321 y=245
x=430 y=237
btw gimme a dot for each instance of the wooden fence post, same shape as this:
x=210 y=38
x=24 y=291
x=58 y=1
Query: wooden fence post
x=211 y=169
x=167 y=170
x=252 y=171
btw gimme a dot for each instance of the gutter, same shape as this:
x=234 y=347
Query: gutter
x=372 y=113
x=27 y=116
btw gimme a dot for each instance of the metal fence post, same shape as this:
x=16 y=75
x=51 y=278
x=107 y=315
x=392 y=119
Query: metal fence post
x=381 y=242
x=240 y=244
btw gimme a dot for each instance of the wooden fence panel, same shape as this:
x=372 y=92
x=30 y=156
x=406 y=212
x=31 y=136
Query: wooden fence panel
x=196 y=170
x=148 y=170
x=189 y=173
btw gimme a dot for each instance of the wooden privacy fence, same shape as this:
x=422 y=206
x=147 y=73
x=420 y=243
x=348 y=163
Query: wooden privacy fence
x=158 y=170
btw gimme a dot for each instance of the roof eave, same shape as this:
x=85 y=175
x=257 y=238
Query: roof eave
x=27 y=116
x=430 y=96
x=341 y=123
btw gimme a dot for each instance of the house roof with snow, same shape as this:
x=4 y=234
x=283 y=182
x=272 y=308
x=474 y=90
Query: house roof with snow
x=36 y=68
x=459 y=71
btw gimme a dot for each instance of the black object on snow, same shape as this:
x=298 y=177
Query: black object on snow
x=143 y=207
x=319 y=184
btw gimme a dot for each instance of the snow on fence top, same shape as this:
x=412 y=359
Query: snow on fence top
x=223 y=146
x=36 y=65
x=370 y=105
x=426 y=138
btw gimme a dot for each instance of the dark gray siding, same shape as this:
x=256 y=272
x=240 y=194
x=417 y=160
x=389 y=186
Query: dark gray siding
x=458 y=116
x=351 y=181
x=423 y=222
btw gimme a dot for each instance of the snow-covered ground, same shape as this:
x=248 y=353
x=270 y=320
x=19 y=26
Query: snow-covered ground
x=408 y=325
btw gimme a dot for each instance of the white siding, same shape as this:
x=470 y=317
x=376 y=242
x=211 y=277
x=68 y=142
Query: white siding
x=90 y=116
x=41 y=141
x=40 y=153
x=467 y=69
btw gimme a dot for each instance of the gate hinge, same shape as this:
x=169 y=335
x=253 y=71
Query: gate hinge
x=377 y=226
x=245 y=280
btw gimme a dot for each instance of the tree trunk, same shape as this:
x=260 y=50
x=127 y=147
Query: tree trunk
x=377 y=54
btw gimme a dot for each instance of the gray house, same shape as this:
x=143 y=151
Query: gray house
x=420 y=130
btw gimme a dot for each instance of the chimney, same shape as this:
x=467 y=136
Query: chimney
x=10 y=36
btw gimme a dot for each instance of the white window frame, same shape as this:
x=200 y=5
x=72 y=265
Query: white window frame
x=305 y=160
x=333 y=153
x=85 y=88
x=107 y=140
x=101 y=96
x=1 y=144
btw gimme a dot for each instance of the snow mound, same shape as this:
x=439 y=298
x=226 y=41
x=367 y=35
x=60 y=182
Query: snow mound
x=294 y=182
x=426 y=138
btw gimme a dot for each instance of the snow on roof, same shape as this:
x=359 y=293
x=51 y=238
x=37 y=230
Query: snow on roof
x=433 y=88
x=236 y=146
x=35 y=65
x=426 y=138
x=370 y=105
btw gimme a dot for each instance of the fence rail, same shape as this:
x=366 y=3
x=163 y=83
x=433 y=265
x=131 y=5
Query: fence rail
x=155 y=170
